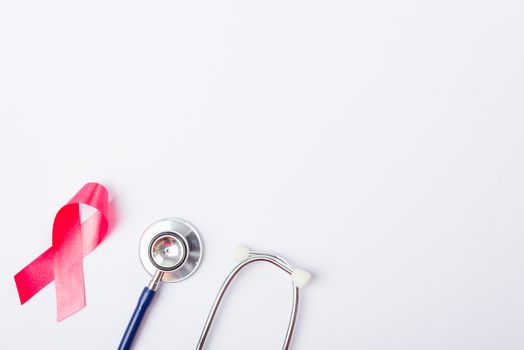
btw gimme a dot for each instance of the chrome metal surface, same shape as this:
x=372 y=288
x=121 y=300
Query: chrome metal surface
x=256 y=256
x=173 y=246
x=153 y=284
x=167 y=251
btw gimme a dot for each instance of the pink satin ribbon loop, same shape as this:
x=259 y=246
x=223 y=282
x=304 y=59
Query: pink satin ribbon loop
x=63 y=262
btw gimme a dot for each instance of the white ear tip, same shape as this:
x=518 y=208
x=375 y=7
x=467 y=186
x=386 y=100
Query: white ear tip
x=300 y=277
x=240 y=252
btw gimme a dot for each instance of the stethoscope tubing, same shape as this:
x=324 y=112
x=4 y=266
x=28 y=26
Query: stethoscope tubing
x=134 y=323
x=147 y=296
x=149 y=292
x=256 y=257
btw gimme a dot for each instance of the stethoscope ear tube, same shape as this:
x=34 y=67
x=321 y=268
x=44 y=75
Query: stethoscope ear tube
x=134 y=323
x=245 y=256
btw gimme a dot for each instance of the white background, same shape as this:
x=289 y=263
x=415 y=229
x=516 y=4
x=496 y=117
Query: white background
x=378 y=144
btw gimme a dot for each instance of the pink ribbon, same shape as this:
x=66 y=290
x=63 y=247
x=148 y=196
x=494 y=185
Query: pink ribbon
x=63 y=262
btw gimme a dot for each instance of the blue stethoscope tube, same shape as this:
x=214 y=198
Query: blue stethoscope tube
x=134 y=323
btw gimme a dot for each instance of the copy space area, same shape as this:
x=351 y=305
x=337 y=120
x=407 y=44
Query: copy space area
x=377 y=144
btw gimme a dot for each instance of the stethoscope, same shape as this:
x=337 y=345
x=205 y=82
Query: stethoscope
x=171 y=250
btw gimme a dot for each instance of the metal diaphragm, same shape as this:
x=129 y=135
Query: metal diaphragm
x=172 y=246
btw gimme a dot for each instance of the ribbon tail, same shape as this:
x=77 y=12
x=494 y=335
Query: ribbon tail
x=70 y=289
x=35 y=276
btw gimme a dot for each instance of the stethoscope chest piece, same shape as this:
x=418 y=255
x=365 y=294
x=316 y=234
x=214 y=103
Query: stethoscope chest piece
x=172 y=246
x=170 y=250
